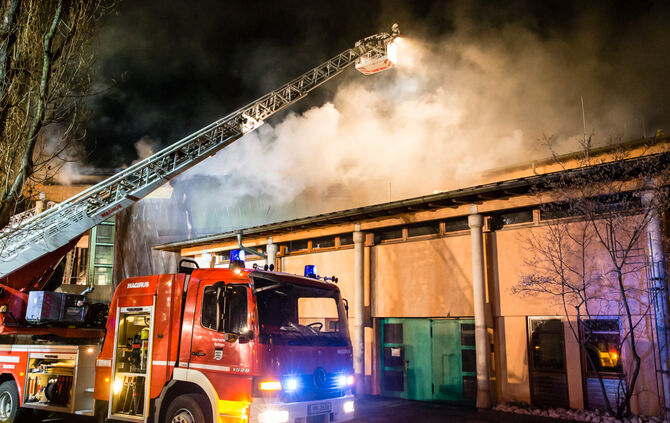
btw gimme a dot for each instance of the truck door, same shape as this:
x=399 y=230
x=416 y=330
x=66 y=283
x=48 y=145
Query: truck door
x=220 y=345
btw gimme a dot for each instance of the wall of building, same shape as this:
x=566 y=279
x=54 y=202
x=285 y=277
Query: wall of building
x=430 y=277
x=507 y=256
x=427 y=278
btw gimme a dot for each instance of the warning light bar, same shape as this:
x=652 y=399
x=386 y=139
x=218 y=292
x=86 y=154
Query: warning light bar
x=310 y=271
x=236 y=259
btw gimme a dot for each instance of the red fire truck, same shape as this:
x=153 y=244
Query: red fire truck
x=211 y=345
x=204 y=345
x=227 y=346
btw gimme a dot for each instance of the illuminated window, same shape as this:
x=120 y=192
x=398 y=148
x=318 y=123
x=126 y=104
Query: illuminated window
x=602 y=340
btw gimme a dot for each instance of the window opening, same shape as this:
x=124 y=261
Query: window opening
x=224 y=308
x=347 y=239
x=547 y=345
x=456 y=224
x=299 y=315
x=299 y=245
x=602 y=340
x=498 y=221
x=432 y=228
x=323 y=242
x=388 y=234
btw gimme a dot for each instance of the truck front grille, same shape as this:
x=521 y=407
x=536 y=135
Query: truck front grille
x=311 y=390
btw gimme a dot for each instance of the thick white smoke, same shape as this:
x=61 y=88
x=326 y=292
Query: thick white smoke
x=448 y=112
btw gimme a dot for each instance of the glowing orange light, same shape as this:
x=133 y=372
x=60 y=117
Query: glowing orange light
x=21 y=373
x=270 y=385
x=106 y=379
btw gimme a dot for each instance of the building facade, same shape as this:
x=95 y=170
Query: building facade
x=435 y=309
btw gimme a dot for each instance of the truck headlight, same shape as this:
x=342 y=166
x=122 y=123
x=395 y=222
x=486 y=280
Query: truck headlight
x=273 y=416
x=348 y=406
x=345 y=380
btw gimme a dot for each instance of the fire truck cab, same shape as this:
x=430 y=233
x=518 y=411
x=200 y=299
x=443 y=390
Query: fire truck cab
x=226 y=345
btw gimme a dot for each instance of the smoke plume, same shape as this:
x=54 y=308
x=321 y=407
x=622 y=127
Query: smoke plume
x=477 y=87
x=453 y=108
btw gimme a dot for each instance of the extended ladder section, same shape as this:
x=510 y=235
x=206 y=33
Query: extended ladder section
x=59 y=225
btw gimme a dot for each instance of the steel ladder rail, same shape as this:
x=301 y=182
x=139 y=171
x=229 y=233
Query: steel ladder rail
x=112 y=195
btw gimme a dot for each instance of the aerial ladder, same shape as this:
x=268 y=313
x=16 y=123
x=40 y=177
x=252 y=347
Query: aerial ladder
x=30 y=250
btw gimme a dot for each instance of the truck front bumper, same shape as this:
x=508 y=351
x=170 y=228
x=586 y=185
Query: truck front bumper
x=266 y=410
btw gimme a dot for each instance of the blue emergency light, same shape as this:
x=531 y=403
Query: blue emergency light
x=310 y=271
x=237 y=259
x=291 y=384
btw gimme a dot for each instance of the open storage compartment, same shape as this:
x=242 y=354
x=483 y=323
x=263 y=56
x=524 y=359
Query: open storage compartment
x=61 y=378
x=132 y=363
x=50 y=380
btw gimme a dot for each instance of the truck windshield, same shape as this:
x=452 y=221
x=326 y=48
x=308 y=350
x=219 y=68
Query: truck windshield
x=294 y=314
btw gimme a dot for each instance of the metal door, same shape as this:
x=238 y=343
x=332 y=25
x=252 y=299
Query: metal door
x=429 y=359
x=225 y=361
x=454 y=362
x=407 y=359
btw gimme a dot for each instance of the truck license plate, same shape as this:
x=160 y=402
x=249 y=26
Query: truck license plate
x=322 y=407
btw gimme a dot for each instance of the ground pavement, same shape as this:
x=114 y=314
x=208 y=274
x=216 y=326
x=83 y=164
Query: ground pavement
x=386 y=410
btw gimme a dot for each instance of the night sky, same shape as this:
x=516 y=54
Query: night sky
x=168 y=68
x=479 y=86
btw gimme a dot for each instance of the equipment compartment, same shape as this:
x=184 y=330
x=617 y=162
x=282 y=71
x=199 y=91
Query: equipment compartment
x=61 y=378
x=49 y=379
x=131 y=364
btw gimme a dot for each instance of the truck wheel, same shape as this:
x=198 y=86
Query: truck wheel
x=188 y=408
x=10 y=411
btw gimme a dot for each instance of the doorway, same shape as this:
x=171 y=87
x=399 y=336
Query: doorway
x=429 y=359
x=548 y=376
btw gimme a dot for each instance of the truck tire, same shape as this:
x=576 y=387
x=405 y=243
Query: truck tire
x=10 y=411
x=188 y=408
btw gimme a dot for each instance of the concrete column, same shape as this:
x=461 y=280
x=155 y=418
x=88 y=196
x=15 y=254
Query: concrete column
x=475 y=221
x=271 y=251
x=359 y=309
x=659 y=289
x=41 y=203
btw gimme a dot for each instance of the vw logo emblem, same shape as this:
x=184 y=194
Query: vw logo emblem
x=320 y=378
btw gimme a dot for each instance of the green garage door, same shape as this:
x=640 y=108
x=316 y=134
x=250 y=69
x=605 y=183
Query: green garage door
x=429 y=359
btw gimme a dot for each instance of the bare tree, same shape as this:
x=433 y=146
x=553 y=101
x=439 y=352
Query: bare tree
x=45 y=72
x=590 y=255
